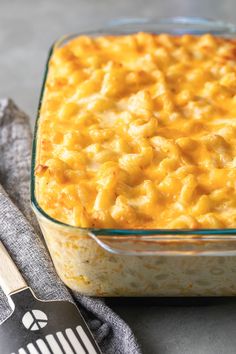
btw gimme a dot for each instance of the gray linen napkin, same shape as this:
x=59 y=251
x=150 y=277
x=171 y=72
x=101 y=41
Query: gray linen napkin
x=20 y=234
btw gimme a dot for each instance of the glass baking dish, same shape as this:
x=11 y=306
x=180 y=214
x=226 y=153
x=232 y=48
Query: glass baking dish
x=108 y=262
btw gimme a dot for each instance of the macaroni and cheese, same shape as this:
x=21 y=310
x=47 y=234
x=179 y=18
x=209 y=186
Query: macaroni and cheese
x=139 y=131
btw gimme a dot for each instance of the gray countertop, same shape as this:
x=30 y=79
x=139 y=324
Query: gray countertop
x=27 y=29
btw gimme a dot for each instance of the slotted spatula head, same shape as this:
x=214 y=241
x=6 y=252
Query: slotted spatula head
x=40 y=327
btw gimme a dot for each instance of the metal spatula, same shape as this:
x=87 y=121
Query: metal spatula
x=39 y=327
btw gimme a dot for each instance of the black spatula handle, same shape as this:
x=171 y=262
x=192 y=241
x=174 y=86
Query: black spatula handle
x=11 y=279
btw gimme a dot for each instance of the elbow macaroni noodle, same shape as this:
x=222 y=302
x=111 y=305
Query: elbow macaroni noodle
x=139 y=131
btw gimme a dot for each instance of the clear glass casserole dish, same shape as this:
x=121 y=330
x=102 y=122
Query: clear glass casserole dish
x=125 y=262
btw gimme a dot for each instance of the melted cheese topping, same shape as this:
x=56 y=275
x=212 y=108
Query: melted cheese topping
x=139 y=131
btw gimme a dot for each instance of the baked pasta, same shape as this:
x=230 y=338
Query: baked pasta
x=139 y=131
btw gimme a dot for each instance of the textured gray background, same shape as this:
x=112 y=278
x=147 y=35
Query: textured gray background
x=27 y=29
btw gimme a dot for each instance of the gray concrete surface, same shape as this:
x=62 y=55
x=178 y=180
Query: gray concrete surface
x=27 y=28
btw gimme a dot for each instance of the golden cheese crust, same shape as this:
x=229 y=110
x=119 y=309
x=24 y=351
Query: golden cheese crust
x=139 y=131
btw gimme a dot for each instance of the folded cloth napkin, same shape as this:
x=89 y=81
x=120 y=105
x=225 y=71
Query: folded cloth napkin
x=20 y=234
